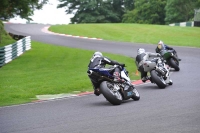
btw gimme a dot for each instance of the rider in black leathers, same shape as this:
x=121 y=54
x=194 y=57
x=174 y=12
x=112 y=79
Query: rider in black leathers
x=98 y=61
x=162 y=46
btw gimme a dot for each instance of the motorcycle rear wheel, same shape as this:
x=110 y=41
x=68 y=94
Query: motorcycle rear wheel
x=114 y=97
x=174 y=64
x=157 y=79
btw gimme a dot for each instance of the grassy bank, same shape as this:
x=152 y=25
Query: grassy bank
x=49 y=69
x=136 y=33
x=5 y=38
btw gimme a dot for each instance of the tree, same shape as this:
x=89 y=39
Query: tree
x=22 y=8
x=131 y=16
x=180 y=10
x=146 y=11
x=129 y=4
x=96 y=11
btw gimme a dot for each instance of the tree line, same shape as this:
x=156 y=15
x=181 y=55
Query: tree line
x=109 y=11
x=130 y=11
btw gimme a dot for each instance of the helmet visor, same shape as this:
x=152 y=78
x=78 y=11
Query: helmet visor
x=159 y=46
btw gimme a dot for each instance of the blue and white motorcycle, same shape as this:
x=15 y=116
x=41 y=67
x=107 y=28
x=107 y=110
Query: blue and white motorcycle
x=114 y=92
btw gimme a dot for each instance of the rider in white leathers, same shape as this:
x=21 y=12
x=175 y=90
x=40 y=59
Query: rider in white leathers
x=140 y=58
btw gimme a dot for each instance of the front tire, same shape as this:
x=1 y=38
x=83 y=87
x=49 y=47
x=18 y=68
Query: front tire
x=136 y=95
x=114 y=97
x=157 y=79
x=170 y=82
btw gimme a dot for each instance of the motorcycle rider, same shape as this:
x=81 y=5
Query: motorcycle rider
x=98 y=61
x=140 y=58
x=162 y=46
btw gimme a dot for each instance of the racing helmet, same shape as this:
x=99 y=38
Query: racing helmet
x=99 y=54
x=140 y=51
x=160 y=44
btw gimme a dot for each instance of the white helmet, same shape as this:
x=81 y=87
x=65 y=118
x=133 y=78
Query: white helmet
x=99 y=54
x=140 y=51
x=160 y=44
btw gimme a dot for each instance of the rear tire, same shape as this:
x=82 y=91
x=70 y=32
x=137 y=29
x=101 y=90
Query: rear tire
x=158 y=80
x=174 y=64
x=114 y=97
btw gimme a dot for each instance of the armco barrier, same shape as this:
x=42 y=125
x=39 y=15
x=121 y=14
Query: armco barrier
x=12 y=51
x=183 y=24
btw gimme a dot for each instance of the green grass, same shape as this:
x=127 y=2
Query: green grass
x=135 y=33
x=49 y=69
x=5 y=38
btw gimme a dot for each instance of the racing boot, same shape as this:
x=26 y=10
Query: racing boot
x=144 y=79
x=97 y=92
x=177 y=58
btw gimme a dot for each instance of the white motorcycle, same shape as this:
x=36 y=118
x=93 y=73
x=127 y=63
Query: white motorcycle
x=159 y=72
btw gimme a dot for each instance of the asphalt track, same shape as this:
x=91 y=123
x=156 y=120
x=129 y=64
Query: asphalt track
x=175 y=109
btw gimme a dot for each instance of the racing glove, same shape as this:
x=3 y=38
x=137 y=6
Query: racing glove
x=123 y=65
x=158 y=55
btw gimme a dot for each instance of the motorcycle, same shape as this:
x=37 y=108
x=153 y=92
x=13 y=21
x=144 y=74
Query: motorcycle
x=170 y=58
x=159 y=72
x=114 y=92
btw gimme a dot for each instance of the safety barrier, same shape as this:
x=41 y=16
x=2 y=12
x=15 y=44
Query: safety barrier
x=12 y=51
x=183 y=24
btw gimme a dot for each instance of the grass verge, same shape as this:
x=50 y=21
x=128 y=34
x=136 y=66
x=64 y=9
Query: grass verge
x=135 y=33
x=5 y=38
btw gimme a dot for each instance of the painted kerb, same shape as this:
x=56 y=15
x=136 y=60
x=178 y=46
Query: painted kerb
x=12 y=51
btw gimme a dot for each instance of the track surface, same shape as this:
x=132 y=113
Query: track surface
x=175 y=109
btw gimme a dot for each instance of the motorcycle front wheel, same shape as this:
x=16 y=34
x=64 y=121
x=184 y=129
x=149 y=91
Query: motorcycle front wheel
x=111 y=95
x=136 y=95
x=158 y=79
